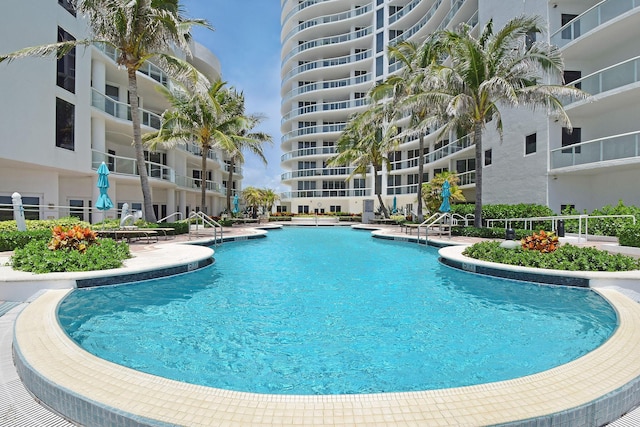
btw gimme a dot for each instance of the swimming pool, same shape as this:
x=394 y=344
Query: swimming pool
x=369 y=315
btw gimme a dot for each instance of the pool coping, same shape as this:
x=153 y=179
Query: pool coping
x=592 y=390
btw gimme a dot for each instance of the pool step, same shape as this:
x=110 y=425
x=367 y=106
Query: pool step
x=5 y=306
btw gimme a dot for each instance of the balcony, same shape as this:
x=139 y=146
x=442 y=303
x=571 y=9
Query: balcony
x=307 y=152
x=418 y=26
x=195 y=184
x=323 y=172
x=122 y=110
x=330 y=84
x=329 y=106
x=358 y=192
x=591 y=19
x=325 y=63
x=195 y=149
x=338 y=127
x=617 y=147
x=148 y=69
x=129 y=166
x=343 y=38
x=613 y=77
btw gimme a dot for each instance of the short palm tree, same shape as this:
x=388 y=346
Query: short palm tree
x=253 y=197
x=198 y=116
x=140 y=30
x=366 y=143
x=496 y=70
x=432 y=191
x=269 y=198
x=242 y=137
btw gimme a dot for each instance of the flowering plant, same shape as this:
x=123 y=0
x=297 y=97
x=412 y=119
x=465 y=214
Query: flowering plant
x=543 y=242
x=74 y=238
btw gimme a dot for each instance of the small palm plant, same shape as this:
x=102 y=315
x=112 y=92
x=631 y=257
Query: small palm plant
x=432 y=191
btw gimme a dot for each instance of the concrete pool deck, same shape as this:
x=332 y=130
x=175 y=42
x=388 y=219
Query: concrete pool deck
x=93 y=388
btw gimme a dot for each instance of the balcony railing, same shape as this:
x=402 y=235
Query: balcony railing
x=343 y=16
x=195 y=149
x=612 y=77
x=467 y=178
x=194 y=183
x=332 y=62
x=129 y=166
x=338 y=127
x=402 y=12
x=342 y=38
x=301 y=6
x=122 y=110
x=623 y=146
x=306 y=173
x=329 y=106
x=418 y=25
x=147 y=68
x=308 y=152
x=358 y=192
x=449 y=149
x=330 y=84
x=237 y=170
x=592 y=18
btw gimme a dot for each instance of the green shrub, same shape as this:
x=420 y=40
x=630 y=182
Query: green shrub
x=43 y=224
x=36 y=257
x=603 y=226
x=11 y=240
x=630 y=236
x=225 y=222
x=566 y=257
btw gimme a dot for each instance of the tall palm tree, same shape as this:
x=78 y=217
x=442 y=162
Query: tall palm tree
x=200 y=116
x=140 y=30
x=496 y=70
x=366 y=142
x=243 y=138
x=404 y=91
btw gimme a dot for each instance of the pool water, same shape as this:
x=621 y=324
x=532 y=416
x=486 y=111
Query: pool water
x=334 y=311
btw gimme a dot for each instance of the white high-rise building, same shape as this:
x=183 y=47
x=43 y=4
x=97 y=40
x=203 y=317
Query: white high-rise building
x=334 y=51
x=62 y=118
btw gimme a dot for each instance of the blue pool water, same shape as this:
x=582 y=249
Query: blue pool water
x=333 y=311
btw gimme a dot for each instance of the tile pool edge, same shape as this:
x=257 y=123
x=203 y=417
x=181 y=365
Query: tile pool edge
x=598 y=386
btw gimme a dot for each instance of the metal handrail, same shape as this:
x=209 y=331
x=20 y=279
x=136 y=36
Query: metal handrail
x=206 y=220
x=554 y=221
x=432 y=220
x=178 y=214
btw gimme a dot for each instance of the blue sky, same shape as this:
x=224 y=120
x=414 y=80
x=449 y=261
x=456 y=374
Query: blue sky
x=246 y=39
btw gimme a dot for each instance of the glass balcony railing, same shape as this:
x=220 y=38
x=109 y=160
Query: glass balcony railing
x=147 y=68
x=467 y=178
x=617 y=147
x=122 y=110
x=301 y=6
x=610 y=78
x=328 y=19
x=129 y=166
x=418 y=25
x=323 y=63
x=354 y=35
x=330 y=106
x=592 y=18
x=307 y=173
x=308 y=152
x=194 y=183
x=357 y=192
x=449 y=149
x=330 y=84
x=402 y=12
x=309 y=130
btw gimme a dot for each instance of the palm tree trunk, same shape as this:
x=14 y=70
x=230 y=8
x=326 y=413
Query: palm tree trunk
x=230 y=184
x=477 y=140
x=378 y=189
x=420 y=175
x=149 y=214
x=203 y=178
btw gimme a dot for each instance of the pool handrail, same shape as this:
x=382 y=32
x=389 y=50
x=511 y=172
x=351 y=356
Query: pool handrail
x=436 y=218
x=209 y=221
x=554 y=221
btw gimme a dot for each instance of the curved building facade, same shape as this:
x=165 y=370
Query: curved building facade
x=334 y=51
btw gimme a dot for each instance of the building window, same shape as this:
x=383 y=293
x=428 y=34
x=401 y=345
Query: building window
x=530 y=143
x=573 y=30
x=572 y=76
x=379 y=42
x=379 y=66
x=359 y=185
x=65 y=128
x=568 y=209
x=31 y=207
x=67 y=64
x=571 y=138
x=379 y=18
x=303 y=209
x=336 y=208
x=68 y=6
x=488 y=157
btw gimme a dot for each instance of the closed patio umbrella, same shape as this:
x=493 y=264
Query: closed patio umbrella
x=236 y=203
x=394 y=209
x=446 y=193
x=103 y=203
